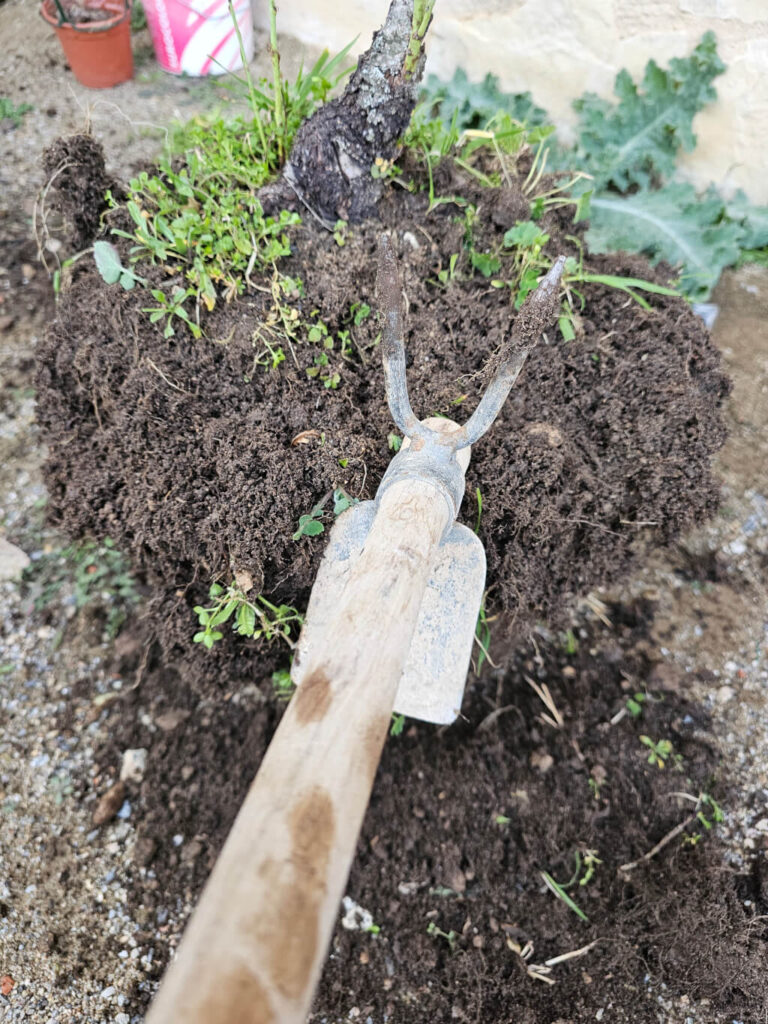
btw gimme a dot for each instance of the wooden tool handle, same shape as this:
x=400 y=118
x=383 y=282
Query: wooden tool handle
x=255 y=946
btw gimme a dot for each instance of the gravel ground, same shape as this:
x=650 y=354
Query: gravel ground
x=69 y=950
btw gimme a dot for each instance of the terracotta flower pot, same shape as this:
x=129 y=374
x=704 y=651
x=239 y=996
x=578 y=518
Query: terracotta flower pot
x=98 y=51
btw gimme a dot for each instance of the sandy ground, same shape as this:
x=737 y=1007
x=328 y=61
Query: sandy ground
x=69 y=950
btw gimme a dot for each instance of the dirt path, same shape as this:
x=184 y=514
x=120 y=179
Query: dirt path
x=85 y=924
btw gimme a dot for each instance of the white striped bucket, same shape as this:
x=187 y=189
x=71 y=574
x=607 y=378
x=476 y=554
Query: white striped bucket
x=197 y=37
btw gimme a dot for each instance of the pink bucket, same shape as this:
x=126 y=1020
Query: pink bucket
x=197 y=37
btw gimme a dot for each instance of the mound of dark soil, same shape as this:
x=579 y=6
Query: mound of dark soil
x=462 y=823
x=185 y=452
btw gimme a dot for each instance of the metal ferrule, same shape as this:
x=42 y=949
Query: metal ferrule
x=429 y=462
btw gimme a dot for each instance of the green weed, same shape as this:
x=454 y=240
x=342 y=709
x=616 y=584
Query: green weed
x=311 y=525
x=451 y=937
x=110 y=267
x=660 y=751
x=282 y=684
x=479 y=499
x=198 y=216
x=257 y=618
x=10 y=111
x=398 y=724
x=559 y=891
x=627 y=151
x=483 y=635
x=98 y=574
x=634 y=704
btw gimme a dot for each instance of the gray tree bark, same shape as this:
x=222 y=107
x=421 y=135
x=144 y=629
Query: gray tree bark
x=329 y=167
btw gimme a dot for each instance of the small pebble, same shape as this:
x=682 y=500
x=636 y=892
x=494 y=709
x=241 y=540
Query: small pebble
x=134 y=765
x=109 y=804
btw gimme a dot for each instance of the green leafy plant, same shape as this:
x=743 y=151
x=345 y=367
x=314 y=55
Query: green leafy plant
x=660 y=751
x=483 y=634
x=559 y=891
x=449 y=273
x=627 y=151
x=586 y=863
x=474 y=104
x=310 y=524
x=282 y=684
x=170 y=306
x=711 y=813
x=635 y=703
x=199 y=216
x=479 y=500
x=98 y=574
x=398 y=724
x=110 y=267
x=521 y=261
x=451 y=937
x=257 y=618
x=342 y=501
x=636 y=141
x=12 y=112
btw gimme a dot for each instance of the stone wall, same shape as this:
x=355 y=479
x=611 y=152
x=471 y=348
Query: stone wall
x=560 y=48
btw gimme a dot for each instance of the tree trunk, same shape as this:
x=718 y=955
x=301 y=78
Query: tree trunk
x=329 y=167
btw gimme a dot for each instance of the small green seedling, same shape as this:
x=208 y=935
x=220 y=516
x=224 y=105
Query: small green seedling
x=450 y=937
x=570 y=642
x=10 y=112
x=282 y=684
x=713 y=810
x=590 y=863
x=99 y=575
x=583 y=874
x=479 y=497
x=502 y=819
x=171 y=306
x=342 y=501
x=660 y=751
x=109 y=265
x=360 y=312
x=483 y=635
x=561 y=894
x=309 y=524
x=448 y=273
x=394 y=442
x=635 y=704
x=398 y=724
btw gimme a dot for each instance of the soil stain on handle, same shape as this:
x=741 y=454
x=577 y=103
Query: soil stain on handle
x=313 y=698
x=298 y=896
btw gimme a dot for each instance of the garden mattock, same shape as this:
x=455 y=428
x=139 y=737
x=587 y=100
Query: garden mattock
x=389 y=627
